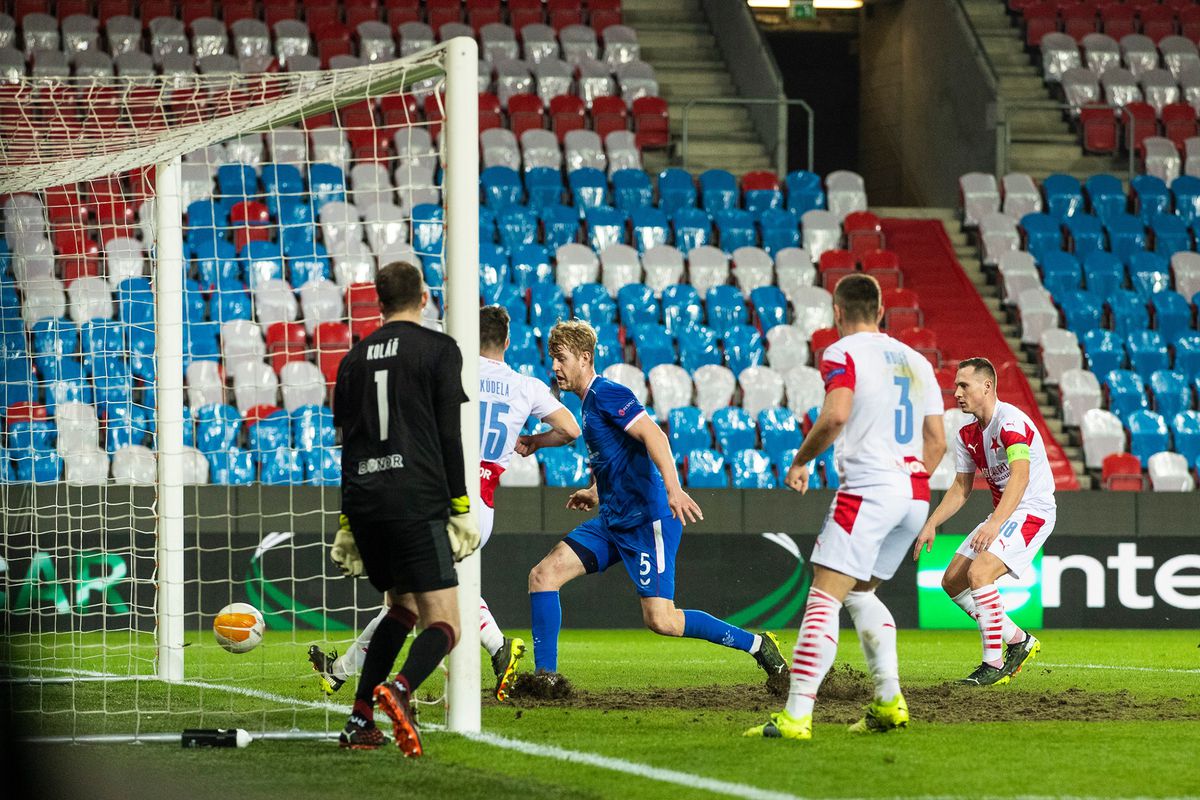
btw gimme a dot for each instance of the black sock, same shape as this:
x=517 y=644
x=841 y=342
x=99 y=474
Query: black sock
x=385 y=645
x=427 y=651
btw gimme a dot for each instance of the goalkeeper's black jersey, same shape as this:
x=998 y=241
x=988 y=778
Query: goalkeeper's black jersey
x=398 y=401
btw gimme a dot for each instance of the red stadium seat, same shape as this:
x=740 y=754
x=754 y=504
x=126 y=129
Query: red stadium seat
x=1098 y=127
x=195 y=9
x=489 y=112
x=609 y=114
x=257 y=414
x=249 y=212
x=525 y=12
x=152 y=9
x=286 y=342
x=603 y=13
x=1040 y=19
x=1157 y=22
x=401 y=11
x=232 y=11
x=864 y=232
x=482 y=12
x=329 y=49
x=650 y=122
x=901 y=309
x=75 y=267
x=760 y=180
x=1189 y=22
x=442 y=12
x=362 y=303
x=106 y=9
x=566 y=114
x=332 y=340
x=65 y=8
x=63 y=205
x=399 y=110
x=945 y=376
x=564 y=12
x=24 y=412
x=884 y=266
x=1179 y=123
x=1140 y=124
x=1118 y=20
x=1122 y=472
x=525 y=111
x=356 y=14
x=923 y=340
x=276 y=10
x=435 y=112
x=1079 y=19
x=833 y=265
x=822 y=338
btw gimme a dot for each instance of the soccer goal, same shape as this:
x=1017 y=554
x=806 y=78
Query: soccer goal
x=185 y=260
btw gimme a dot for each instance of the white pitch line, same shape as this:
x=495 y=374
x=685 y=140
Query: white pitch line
x=1116 y=667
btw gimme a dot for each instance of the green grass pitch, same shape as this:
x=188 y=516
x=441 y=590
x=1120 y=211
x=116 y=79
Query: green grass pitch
x=1100 y=714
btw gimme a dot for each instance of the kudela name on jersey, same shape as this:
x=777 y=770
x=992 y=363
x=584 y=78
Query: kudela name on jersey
x=493 y=387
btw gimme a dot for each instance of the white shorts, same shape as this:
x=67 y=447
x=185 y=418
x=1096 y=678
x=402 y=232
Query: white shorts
x=1019 y=541
x=869 y=535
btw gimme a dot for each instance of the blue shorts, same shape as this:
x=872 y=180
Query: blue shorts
x=648 y=552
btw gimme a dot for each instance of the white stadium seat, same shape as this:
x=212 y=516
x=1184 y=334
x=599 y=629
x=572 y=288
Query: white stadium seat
x=1080 y=393
x=1060 y=352
x=134 y=464
x=1102 y=435
x=762 y=387
x=1169 y=473
x=670 y=387
x=805 y=389
x=630 y=377
x=714 y=387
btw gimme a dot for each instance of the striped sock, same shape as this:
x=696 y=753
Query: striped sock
x=490 y=635
x=816 y=647
x=1011 y=632
x=991 y=623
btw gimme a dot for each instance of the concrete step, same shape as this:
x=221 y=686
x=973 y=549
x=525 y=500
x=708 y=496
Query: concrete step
x=695 y=34
x=683 y=57
x=1003 y=41
x=699 y=147
x=660 y=13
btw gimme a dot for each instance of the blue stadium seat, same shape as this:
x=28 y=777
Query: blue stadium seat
x=49 y=368
x=1126 y=236
x=780 y=228
x=752 y=470
x=779 y=429
x=100 y=338
x=312 y=427
x=296 y=217
x=1149 y=273
x=140 y=340
x=565 y=467
x=322 y=467
x=216 y=260
x=726 y=309
x=693 y=228
x=1147 y=434
x=6 y=469
x=33 y=463
x=1185 y=433
x=1043 y=234
x=128 y=424
x=589 y=188
x=326 y=183
x=1172 y=315
x=54 y=336
x=560 y=225
x=513 y=300
x=1170 y=234
x=531 y=266
x=201 y=342
x=1086 y=234
x=1126 y=392
x=650 y=228
x=37 y=434
x=135 y=300
x=743 y=348
x=591 y=303
x=735 y=228
x=1172 y=394
x=270 y=434
x=1061 y=272
x=546 y=307
x=230 y=301
x=681 y=306
x=501 y=187
x=1103 y=273
x=428 y=229
x=1186 y=191
x=605 y=227
x=113 y=382
x=1128 y=311
x=280 y=181
x=1064 y=195
x=518 y=226
x=697 y=347
x=706 y=470
x=632 y=190
x=71 y=386
x=232 y=467
x=523 y=346
x=608 y=347
x=770 y=307
x=1106 y=195
x=636 y=304
x=282 y=467
x=207 y=218
x=718 y=191
x=783 y=458
x=676 y=190
x=1187 y=354
x=262 y=261
x=307 y=261
x=687 y=431
x=804 y=191
x=1150 y=197
x=493 y=272
x=237 y=180
x=487 y=226
x=544 y=186
x=1105 y=351
x=653 y=346
x=217 y=428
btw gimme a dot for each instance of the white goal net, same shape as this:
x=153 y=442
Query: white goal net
x=185 y=259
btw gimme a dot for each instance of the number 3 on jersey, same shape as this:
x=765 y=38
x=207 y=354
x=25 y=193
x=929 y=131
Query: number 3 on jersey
x=904 y=411
x=492 y=430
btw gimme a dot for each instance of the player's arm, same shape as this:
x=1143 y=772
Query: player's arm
x=1014 y=491
x=835 y=411
x=933 y=434
x=658 y=447
x=952 y=501
x=563 y=430
x=448 y=397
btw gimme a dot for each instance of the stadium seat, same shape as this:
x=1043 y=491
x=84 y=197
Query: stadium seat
x=1172 y=315
x=1170 y=392
x=1059 y=350
x=1122 y=472
x=804 y=192
x=631 y=378
x=743 y=348
x=1149 y=273
x=302 y=384
x=134 y=465
x=670 y=387
x=1080 y=391
x=332 y=342
x=751 y=470
x=706 y=469
x=845 y=193
x=565 y=467
x=1126 y=392
x=762 y=388
x=1169 y=472
x=693 y=229
x=805 y=389
x=997 y=235
x=1102 y=435
x=1187 y=354
x=663 y=265
x=714 y=387
x=1128 y=312
x=1147 y=434
x=787 y=347
x=1147 y=352
x=1185 y=434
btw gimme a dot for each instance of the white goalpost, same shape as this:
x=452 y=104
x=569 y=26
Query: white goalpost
x=185 y=259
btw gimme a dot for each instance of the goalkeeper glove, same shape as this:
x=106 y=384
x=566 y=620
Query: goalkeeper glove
x=344 y=552
x=464 y=536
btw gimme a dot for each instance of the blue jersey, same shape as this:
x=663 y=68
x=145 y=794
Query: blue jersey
x=630 y=487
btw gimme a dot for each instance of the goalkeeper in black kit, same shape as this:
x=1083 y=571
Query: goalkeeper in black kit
x=405 y=508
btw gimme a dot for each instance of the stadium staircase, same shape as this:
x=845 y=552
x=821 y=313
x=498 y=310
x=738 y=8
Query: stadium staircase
x=677 y=40
x=1042 y=141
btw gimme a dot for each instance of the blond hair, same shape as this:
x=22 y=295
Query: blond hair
x=574 y=336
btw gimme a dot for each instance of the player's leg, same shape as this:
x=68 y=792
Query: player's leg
x=583 y=550
x=958 y=586
x=388 y=638
x=505 y=652
x=335 y=670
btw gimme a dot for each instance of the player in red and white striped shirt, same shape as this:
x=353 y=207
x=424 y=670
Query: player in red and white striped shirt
x=884 y=409
x=1005 y=446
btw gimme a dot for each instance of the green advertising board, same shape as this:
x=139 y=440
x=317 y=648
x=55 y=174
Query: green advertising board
x=935 y=609
x=802 y=9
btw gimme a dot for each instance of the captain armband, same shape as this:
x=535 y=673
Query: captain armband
x=1017 y=452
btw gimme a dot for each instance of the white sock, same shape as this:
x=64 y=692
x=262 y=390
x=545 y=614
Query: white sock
x=350 y=662
x=490 y=635
x=816 y=647
x=990 y=620
x=1011 y=633
x=877 y=635
x=756 y=645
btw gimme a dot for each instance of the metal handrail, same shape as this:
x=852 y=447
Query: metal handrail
x=1004 y=128
x=782 y=142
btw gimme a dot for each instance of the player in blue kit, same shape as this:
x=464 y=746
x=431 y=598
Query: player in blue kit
x=642 y=513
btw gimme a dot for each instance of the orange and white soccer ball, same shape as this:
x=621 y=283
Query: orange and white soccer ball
x=239 y=627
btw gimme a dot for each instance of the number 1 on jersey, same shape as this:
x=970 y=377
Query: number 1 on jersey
x=381 y=400
x=904 y=411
